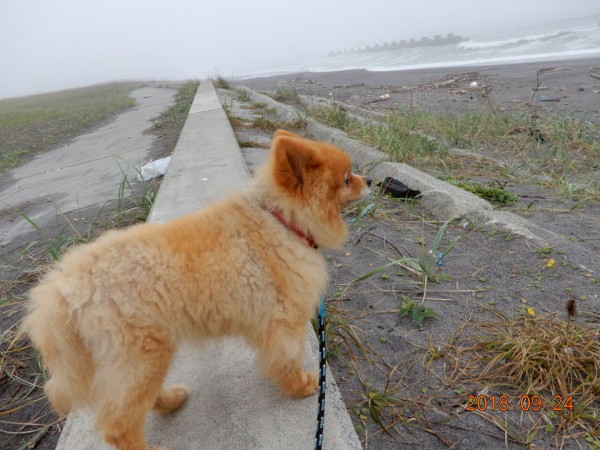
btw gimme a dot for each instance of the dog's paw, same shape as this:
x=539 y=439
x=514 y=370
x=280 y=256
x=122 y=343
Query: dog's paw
x=171 y=398
x=304 y=385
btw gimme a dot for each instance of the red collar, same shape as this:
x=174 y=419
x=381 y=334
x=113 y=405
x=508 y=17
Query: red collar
x=279 y=216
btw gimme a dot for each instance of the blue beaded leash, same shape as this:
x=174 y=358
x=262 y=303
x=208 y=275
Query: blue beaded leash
x=322 y=372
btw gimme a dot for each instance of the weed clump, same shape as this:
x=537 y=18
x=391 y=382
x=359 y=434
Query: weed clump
x=288 y=95
x=490 y=193
x=417 y=311
x=220 y=82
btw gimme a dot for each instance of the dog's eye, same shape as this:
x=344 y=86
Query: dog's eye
x=347 y=180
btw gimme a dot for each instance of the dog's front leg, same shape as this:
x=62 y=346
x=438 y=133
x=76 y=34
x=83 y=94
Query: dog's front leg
x=281 y=358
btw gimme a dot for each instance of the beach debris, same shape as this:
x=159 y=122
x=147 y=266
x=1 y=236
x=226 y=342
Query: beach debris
x=397 y=188
x=572 y=307
x=595 y=72
x=544 y=98
x=381 y=98
x=154 y=169
x=452 y=80
x=473 y=85
x=540 y=88
x=530 y=131
x=552 y=69
x=536 y=134
x=440 y=262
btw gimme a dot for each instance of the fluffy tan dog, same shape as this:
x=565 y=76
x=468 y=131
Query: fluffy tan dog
x=108 y=318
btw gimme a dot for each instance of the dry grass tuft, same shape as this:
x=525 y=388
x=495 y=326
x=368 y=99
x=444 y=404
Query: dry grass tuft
x=538 y=355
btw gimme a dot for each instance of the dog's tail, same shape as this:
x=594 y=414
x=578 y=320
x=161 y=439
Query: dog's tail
x=52 y=330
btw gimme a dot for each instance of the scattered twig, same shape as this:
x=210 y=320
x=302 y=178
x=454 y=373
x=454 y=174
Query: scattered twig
x=37 y=437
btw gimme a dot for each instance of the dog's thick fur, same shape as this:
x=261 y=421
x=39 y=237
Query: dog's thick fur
x=109 y=316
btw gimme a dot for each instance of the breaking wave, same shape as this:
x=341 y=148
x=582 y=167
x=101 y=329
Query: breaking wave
x=570 y=39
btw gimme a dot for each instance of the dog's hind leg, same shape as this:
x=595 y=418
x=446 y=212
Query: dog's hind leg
x=129 y=387
x=281 y=358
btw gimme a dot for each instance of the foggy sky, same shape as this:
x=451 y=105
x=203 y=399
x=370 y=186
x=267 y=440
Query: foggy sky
x=47 y=45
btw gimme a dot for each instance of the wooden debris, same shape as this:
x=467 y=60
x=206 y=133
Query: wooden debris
x=552 y=69
x=346 y=86
x=376 y=100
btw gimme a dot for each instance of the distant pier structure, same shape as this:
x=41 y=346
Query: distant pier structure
x=425 y=41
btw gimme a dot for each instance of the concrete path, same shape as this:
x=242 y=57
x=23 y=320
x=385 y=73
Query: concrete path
x=230 y=405
x=84 y=172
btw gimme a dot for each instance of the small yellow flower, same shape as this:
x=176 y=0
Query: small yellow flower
x=531 y=311
x=550 y=263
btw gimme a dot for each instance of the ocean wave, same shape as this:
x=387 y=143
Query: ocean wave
x=582 y=40
x=550 y=56
x=474 y=45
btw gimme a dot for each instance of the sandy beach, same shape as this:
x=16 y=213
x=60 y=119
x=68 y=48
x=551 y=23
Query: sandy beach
x=564 y=86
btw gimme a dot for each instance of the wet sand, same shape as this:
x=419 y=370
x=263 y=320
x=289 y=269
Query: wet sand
x=563 y=86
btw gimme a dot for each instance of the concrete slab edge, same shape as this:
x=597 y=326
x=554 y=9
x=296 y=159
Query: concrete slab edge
x=442 y=199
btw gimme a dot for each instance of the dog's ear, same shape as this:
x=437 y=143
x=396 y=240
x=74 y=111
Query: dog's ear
x=293 y=157
x=280 y=133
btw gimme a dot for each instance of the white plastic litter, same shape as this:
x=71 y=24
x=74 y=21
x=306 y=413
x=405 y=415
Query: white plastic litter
x=474 y=84
x=154 y=169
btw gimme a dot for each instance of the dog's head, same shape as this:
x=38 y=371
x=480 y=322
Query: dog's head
x=314 y=182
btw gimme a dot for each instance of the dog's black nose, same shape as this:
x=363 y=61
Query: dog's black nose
x=368 y=181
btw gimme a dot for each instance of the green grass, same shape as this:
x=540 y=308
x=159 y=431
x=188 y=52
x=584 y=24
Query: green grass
x=220 y=82
x=30 y=125
x=559 y=152
x=177 y=114
x=288 y=95
x=418 y=312
x=425 y=268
